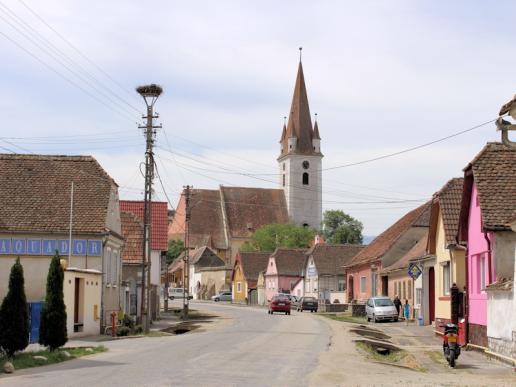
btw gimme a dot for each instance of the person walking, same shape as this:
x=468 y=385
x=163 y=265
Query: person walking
x=397 y=304
x=406 y=311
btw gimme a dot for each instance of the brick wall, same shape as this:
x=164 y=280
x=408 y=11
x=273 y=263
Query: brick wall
x=477 y=335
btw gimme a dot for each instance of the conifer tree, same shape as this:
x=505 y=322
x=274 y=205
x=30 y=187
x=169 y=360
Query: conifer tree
x=52 y=329
x=14 y=316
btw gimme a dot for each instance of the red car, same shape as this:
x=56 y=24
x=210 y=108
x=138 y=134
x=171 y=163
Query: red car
x=279 y=304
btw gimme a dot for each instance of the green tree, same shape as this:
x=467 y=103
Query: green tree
x=340 y=227
x=14 y=317
x=175 y=247
x=52 y=329
x=271 y=236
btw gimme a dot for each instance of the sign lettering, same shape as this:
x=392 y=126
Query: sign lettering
x=5 y=246
x=31 y=246
x=19 y=246
x=34 y=246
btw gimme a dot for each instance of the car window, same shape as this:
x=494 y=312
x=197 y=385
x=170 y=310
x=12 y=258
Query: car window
x=309 y=299
x=383 y=302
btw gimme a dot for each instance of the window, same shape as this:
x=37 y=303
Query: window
x=305 y=178
x=446 y=278
x=239 y=287
x=362 y=284
x=404 y=290
x=283 y=180
x=115 y=268
x=419 y=295
x=341 y=285
x=482 y=272
x=283 y=166
x=409 y=291
x=107 y=265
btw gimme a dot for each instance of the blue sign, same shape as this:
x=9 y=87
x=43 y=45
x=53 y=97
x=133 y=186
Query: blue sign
x=32 y=246
x=19 y=246
x=414 y=271
x=5 y=246
x=49 y=246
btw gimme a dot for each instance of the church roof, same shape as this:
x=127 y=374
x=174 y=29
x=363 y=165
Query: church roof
x=299 y=120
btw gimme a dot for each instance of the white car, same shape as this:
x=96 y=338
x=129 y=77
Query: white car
x=381 y=308
x=222 y=296
x=177 y=293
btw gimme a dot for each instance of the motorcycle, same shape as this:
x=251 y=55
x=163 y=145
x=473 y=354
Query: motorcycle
x=451 y=348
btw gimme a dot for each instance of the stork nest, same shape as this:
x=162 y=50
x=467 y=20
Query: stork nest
x=150 y=90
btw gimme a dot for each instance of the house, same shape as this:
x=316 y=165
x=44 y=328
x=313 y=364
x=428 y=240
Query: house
x=363 y=270
x=324 y=276
x=208 y=273
x=159 y=247
x=488 y=208
x=446 y=260
x=399 y=282
x=284 y=269
x=226 y=218
x=36 y=197
x=248 y=266
x=260 y=288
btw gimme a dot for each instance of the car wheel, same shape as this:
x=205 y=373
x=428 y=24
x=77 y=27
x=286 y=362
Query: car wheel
x=395 y=319
x=374 y=318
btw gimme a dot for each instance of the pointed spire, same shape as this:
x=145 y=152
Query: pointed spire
x=316 y=129
x=284 y=131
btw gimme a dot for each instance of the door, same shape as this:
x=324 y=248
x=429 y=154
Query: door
x=374 y=276
x=34 y=316
x=351 y=286
x=431 y=294
x=385 y=285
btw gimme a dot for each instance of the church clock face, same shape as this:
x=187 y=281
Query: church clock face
x=306 y=164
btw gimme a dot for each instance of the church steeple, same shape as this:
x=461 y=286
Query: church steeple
x=299 y=121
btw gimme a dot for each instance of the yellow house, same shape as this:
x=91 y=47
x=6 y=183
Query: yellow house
x=246 y=271
x=450 y=258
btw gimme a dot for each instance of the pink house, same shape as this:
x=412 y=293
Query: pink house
x=363 y=271
x=488 y=205
x=284 y=270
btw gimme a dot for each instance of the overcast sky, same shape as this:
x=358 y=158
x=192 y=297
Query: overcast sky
x=382 y=76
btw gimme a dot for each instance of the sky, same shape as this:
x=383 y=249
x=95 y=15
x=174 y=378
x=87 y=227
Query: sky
x=383 y=76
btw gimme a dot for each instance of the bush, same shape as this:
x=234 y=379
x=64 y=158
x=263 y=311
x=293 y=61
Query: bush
x=52 y=329
x=138 y=329
x=122 y=331
x=14 y=316
x=127 y=321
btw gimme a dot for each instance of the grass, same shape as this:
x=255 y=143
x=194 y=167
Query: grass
x=437 y=357
x=400 y=357
x=345 y=318
x=26 y=360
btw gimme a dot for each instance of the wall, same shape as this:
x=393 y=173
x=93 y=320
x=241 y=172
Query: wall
x=402 y=278
x=299 y=289
x=304 y=205
x=364 y=271
x=261 y=289
x=499 y=323
x=271 y=279
x=477 y=298
x=238 y=277
x=504 y=244
x=91 y=292
x=286 y=283
x=111 y=292
x=155 y=267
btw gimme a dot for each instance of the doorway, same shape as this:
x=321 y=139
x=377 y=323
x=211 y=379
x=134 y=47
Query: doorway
x=385 y=285
x=350 y=288
x=78 y=305
x=431 y=294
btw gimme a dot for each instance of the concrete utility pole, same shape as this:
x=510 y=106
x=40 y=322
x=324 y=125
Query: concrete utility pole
x=186 y=258
x=150 y=94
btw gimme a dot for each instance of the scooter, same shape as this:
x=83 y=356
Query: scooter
x=451 y=348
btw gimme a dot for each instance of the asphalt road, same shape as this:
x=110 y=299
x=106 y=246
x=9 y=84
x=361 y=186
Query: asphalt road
x=252 y=348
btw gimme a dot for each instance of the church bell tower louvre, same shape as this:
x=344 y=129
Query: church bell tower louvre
x=300 y=160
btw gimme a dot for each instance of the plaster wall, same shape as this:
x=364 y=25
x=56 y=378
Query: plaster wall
x=89 y=313
x=238 y=277
x=299 y=289
x=262 y=299
x=304 y=202
x=358 y=272
x=504 y=243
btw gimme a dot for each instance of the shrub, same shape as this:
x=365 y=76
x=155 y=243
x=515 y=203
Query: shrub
x=122 y=331
x=14 y=316
x=52 y=329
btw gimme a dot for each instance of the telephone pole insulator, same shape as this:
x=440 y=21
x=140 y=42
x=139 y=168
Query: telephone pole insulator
x=150 y=94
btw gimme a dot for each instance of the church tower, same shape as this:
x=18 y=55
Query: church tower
x=300 y=161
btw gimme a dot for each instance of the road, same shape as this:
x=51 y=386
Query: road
x=252 y=348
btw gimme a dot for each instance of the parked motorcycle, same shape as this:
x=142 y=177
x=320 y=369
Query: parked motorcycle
x=451 y=347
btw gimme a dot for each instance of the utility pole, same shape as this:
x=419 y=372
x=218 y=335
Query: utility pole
x=186 y=258
x=150 y=94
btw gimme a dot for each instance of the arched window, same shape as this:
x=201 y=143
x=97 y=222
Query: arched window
x=305 y=178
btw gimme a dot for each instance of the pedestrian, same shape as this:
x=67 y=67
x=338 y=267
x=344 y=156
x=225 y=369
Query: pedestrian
x=397 y=304
x=406 y=311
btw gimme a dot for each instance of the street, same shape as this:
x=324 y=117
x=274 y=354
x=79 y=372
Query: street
x=252 y=349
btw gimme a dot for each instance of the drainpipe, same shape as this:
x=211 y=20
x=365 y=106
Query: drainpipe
x=489 y=264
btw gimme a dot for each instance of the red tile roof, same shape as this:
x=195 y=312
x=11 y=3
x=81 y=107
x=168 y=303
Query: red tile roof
x=252 y=264
x=132 y=231
x=383 y=242
x=290 y=262
x=35 y=193
x=418 y=251
x=329 y=259
x=159 y=220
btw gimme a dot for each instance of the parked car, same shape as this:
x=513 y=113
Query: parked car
x=222 y=296
x=294 y=300
x=307 y=303
x=279 y=303
x=381 y=308
x=177 y=293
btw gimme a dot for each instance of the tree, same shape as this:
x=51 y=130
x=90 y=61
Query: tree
x=271 y=236
x=52 y=328
x=175 y=247
x=340 y=227
x=14 y=316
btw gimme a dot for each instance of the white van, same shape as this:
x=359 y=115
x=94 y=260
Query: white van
x=174 y=293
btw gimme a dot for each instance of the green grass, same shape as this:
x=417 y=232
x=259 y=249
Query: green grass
x=401 y=357
x=26 y=360
x=345 y=318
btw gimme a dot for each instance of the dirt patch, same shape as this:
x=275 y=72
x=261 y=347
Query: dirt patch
x=387 y=353
x=182 y=328
x=371 y=333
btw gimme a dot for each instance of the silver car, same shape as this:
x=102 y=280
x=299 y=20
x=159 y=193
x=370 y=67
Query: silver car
x=222 y=296
x=381 y=308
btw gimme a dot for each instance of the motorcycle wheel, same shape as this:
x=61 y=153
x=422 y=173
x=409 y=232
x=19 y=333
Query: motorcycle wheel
x=451 y=358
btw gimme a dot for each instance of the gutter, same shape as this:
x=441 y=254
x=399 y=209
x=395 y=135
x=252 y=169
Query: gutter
x=489 y=256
